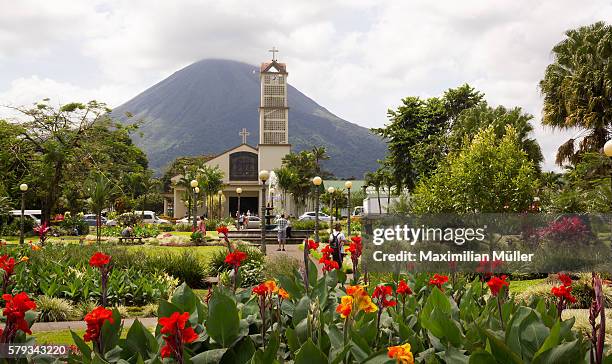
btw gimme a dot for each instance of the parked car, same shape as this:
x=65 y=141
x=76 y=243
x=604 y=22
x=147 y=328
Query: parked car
x=148 y=217
x=310 y=215
x=254 y=222
x=91 y=219
x=35 y=215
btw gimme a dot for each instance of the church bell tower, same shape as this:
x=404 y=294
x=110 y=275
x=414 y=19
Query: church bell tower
x=273 y=114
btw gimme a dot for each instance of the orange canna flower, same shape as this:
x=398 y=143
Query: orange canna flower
x=35 y=247
x=24 y=259
x=271 y=286
x=282 y=293
x=401 y=354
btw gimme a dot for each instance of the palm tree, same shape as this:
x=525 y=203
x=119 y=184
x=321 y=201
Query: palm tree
x=286 y=179
x=319 y=154
x=211 y=180
x=99 y=190
x=577 y=89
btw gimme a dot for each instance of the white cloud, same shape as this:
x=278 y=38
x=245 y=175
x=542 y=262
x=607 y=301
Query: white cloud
x=357 y=58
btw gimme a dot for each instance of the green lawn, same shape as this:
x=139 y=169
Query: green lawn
x=200 y=251
x=521 y=286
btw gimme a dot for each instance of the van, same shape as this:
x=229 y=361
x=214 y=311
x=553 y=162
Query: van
x=149 y=217
x=35 y=215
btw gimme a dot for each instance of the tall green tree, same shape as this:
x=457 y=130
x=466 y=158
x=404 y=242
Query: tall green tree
x=488 y=175
x=416 y=132
x=63 y=146
x=577 y=89
x=470 y=121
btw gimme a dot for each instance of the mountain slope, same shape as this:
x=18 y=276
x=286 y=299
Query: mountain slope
x=201 y=108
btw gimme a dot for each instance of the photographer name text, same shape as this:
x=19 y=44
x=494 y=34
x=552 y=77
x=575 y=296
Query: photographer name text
x=466 y=256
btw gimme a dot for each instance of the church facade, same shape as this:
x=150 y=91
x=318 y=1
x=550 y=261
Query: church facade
x=241 y=165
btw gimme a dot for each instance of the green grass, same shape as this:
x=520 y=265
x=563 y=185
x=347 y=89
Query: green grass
x=61 y=337
x=203 y=252
x=521 y=286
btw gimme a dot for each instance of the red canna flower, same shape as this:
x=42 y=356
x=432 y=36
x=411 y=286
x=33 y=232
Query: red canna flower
x=14 y=311
x=403 y=288
x=312 y=245
x=327 y=250
x=381 y=293
x=7 y=264
x=355 y=248
x=565 y=279
x=42 y=230
x=95 y=320
x=328 y=264
x=222 y=230
x=563 y=292
x=496 y=283
x=438 y=281
x=176 y=333
x=260 y=290
x=99 y=260
x=235 y=258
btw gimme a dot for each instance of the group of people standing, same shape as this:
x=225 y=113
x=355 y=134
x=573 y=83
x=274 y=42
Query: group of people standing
x=337 y=239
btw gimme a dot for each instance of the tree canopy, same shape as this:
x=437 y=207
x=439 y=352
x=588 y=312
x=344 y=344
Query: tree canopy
x=577 y=89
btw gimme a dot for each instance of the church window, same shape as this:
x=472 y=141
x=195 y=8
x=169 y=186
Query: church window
x=243 y=166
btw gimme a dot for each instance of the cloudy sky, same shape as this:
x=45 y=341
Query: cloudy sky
x=356 y=57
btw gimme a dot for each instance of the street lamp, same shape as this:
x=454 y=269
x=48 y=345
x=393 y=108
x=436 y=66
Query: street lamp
x=608 y=151
x=331 y=191
x=238 y=192
x=317 y=182
x=263 y=176
x=348 y=185
x=195 y=205
x=23 y=188
x=220 y=193
x=194 y=185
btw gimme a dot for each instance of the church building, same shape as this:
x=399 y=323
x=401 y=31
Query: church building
x=241 y=165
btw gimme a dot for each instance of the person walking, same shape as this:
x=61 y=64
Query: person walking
x=202 y=225
x=281 y=223
x=336 y=241
x=246 y=219
x=240 y=220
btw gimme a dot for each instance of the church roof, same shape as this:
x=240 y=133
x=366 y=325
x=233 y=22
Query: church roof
x=266 y=66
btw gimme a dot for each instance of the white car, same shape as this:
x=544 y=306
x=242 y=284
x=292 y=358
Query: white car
x=149 y=217
x=187 y=220
x=310 y=215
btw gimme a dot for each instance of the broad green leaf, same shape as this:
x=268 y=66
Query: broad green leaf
x=223 y=323
x=209 y=357
x=565 y=353
x=551 y=341
x=309 y=353
x=453 y=355
x=301 y=310
x=482 y=357
x=500 y=350
x=241 y=352
x=83 y=347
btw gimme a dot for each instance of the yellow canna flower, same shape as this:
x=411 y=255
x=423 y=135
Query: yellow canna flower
x=401 y=354
x=345 y=307
x=35 y=247
x=364 y=303
x=24 y=259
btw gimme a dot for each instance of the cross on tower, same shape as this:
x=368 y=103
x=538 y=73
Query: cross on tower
x=244 y=134
x=273 y=51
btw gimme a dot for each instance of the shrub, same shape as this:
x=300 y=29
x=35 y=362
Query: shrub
x=186 y=267
x=184 y=227
x=254 y=261
x=280 y=265
x=129 y=219
x=53 y=309
x=251 y=273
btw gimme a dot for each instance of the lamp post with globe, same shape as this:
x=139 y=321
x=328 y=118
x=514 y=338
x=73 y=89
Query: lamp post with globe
x=263 y=176
x=348 y=185
x=194 y=185
x=238 y=192
x=317 y=182
x=23 y=188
